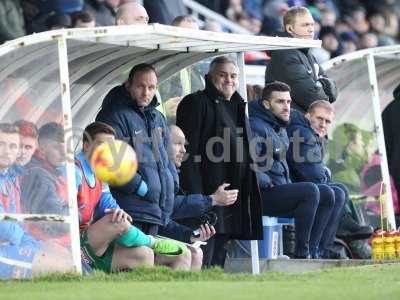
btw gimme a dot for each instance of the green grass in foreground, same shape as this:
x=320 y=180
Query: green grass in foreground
x=366 y=282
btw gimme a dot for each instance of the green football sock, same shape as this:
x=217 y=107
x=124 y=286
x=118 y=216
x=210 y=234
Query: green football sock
x=135 y=238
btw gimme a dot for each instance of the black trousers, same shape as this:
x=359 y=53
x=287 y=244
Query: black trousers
x=340 y=198
x=147 y=228
x=335 y=197
x=214 y=253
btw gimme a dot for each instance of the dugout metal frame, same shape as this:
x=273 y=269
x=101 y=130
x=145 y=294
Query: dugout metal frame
x=383 y=64
x=91 y=60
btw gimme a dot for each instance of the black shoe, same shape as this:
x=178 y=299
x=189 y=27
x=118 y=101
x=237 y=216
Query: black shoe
x=334 y=254
x=360 y=249
x=349 y=229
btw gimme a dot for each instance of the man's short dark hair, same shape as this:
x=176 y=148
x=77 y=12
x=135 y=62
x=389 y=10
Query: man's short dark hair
x=52 y=131
x=141 y=68
x=82 y=16
x=180 y=19
x=58 y=20
x=96 y=128
x=27 y=129
x=8 y=128
x=276 y=86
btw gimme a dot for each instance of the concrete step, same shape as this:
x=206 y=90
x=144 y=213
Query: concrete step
x=240 y=265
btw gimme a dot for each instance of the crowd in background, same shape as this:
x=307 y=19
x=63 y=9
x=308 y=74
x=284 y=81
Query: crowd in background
x=343 y=26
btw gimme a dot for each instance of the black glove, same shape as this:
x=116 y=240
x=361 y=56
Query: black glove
x=329 y=87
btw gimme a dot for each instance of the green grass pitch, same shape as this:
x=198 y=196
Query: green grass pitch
x=366 y=282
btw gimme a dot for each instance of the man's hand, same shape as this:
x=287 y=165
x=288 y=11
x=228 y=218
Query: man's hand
x=223 y=197
x=206 y=231
x=118 y=215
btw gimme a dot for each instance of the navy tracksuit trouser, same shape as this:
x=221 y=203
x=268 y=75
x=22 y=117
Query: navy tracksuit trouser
x=315 y=209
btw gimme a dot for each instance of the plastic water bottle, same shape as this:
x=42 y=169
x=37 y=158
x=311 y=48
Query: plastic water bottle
x=378 y=250
x=397 y=242
x=390 y=245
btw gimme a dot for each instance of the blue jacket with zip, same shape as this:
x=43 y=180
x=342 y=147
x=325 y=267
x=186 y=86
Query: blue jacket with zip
x=306 y=151
x=146 y=130
x=271 y=143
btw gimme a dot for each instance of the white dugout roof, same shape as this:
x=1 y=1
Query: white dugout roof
x=99 y=58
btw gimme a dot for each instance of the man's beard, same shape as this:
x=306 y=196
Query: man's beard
x=282 y=122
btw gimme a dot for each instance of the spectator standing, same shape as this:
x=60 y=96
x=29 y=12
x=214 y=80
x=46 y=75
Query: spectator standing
x=297 y=67
x=214 y=114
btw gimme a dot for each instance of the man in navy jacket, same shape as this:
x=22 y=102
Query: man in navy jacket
x=311 y=205
x=305 y=158
x=149 y=196
x=131 y=110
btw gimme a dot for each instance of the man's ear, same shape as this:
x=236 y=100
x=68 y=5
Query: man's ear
x=120 y=22
x=308 y=116
x=267 y=104
x=85 y=147
x=289 y=28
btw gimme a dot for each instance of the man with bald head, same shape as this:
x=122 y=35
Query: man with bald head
x=131 y=13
